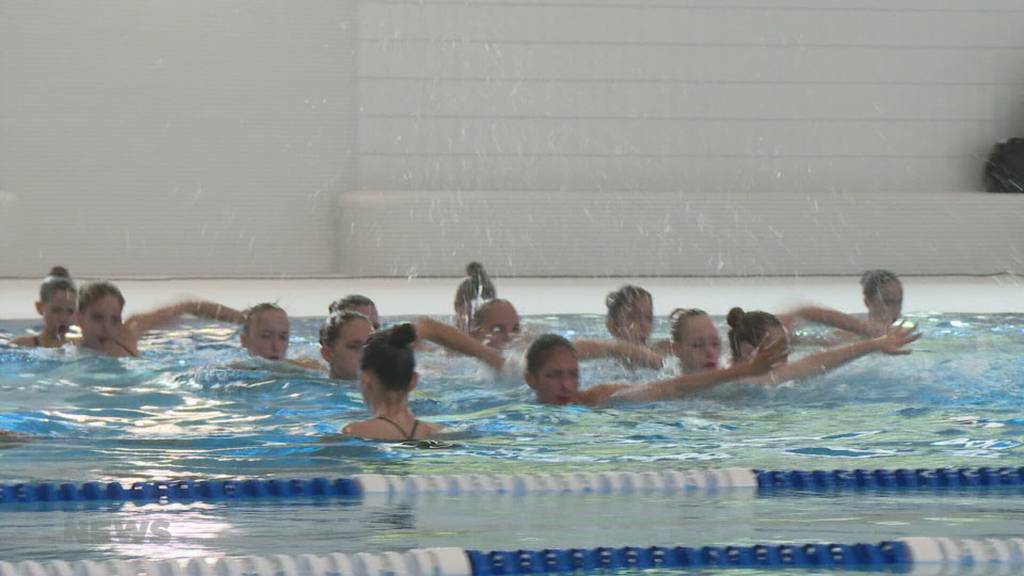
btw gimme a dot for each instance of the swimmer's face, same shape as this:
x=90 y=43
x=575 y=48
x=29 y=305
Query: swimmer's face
x=267 y=335
x=58 y=311
x=557 y=381
x=700 y=347
x=370 y=311
x=100 y=322
x=345 y=353
x=887 y=305
x=774 y=333
x=634 y=322
x=498 y=325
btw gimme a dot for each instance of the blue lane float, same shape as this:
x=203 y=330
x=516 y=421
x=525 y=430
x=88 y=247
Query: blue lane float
x=761 y=482
x=934 y=555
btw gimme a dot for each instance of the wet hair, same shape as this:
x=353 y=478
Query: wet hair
x=56 y=281
x=748 y=327
x=623 y=298
x=93 y=291
x=349 y=302
x=388 y=354
x=542 y=347
x=873 y=280
x=476 y=286
x=482 y=309
x=249 y=313
x=677 y=321
x=332 y=327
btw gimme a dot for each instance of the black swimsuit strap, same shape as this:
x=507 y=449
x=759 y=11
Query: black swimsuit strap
x=410 y=436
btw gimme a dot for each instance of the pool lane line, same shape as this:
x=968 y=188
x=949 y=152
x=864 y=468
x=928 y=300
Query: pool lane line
x=917 y=555
x=763 y=483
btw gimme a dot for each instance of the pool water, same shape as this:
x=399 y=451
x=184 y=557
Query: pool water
x=181 y=411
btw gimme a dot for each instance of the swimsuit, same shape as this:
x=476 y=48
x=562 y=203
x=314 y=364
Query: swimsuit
x=407 y=437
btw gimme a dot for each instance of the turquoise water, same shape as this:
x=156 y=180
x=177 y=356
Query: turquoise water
x=180 y=412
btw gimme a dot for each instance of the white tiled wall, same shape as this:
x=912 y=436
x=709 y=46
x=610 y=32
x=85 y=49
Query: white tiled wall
x=184 y=137
x=214 y=138
x=904 y=96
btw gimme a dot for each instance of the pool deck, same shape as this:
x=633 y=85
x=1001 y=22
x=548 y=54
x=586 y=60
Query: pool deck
x=532 y=296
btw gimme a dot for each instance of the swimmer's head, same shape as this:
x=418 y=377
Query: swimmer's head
x=388 y=365
x=265 y=331
x=475 y=287
x=552 y=370
x=58 y=300
x=630 y=314
x=495 y=323
x=342 y=338
x=883 y=295
x=360 y=304
x=100 y=305
x=749 y=330
x=695 y=340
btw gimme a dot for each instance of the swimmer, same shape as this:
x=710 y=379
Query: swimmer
x=631 y=318
x=360 y=304
x=883 y=298
x=100 y=305
x=496 y=325
x=342 y=339
x=477 y=286
x=552 y=371
x=266 y=331
x=750 y=330
x=388 y=375
x=695 y=340
x=58 y=300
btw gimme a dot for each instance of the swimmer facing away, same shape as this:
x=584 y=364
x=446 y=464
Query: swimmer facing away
x=388 y=375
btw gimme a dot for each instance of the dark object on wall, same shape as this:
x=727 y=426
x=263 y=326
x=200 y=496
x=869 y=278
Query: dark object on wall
x=1004 y=171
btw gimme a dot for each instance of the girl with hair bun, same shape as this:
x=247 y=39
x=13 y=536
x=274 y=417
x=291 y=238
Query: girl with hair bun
x=57 y=303
x=749 y=331
x=388 y=375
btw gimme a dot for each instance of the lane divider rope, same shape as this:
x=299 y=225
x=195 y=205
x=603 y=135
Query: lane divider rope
x=763 y=482
x=932 y=555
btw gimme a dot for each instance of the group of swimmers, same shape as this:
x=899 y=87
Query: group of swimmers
x=355 y=347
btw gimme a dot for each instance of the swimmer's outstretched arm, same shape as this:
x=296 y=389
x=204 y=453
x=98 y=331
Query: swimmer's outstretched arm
x=833 y=318
x=141 y=323
x=453 y=339
x=688 y=384
x=891 y=343
x=638 y=355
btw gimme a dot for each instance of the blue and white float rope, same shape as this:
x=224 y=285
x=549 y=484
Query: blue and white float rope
x=943 y=554
x=763 y=482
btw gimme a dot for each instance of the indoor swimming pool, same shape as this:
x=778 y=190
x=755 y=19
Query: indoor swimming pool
x=194 y=407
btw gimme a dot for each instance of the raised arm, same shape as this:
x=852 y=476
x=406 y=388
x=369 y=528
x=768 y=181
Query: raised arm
x=453 y=339
x=634 y=353
x=680 y=386
x=830 y=317
x=891 y=343
x=139 y=324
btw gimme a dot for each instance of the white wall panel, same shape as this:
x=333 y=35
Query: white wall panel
x=178 y=138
